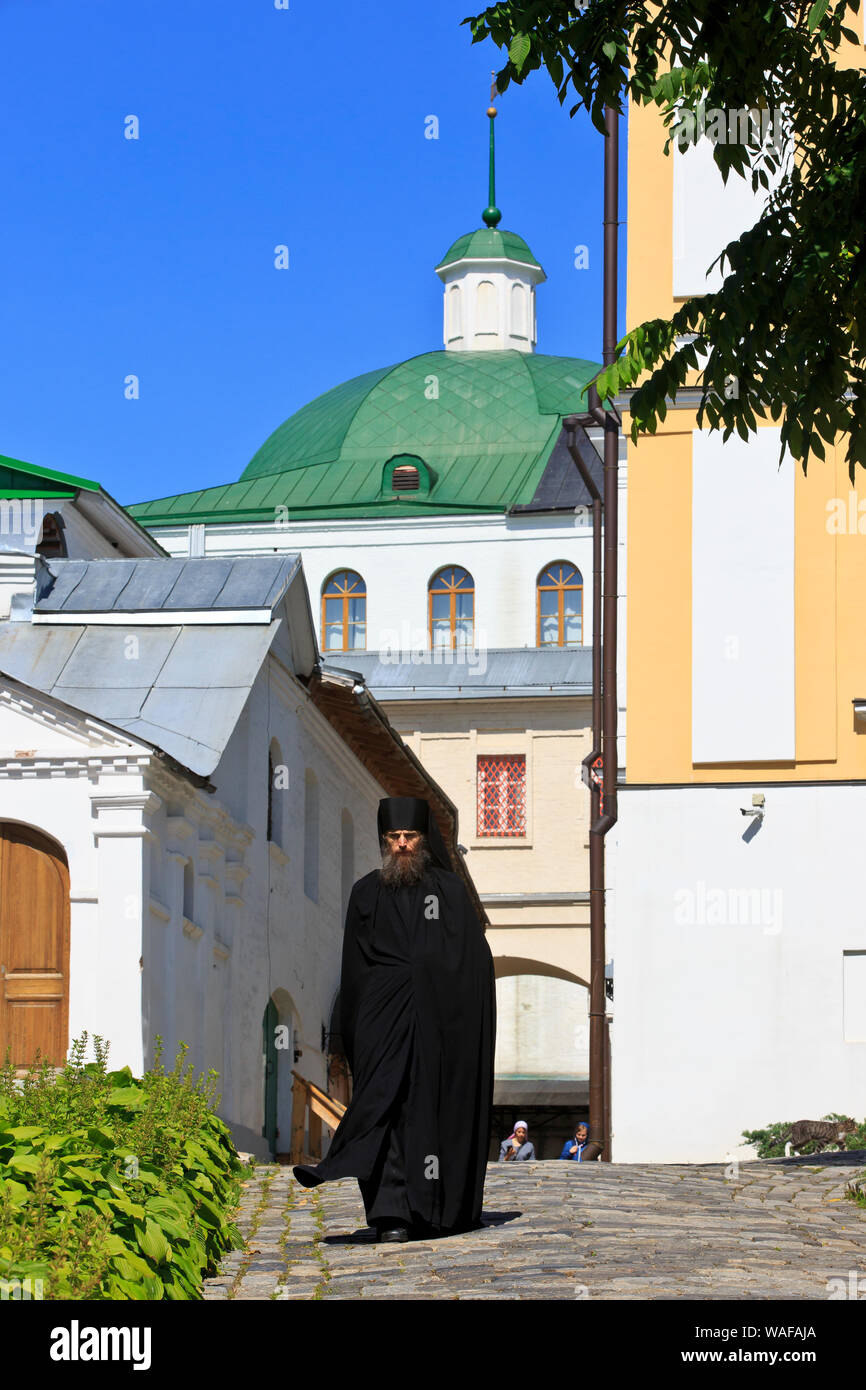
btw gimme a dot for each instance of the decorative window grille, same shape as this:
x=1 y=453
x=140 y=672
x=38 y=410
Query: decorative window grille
x=502 y=795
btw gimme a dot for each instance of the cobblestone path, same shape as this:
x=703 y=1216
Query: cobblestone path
x=767 y=1230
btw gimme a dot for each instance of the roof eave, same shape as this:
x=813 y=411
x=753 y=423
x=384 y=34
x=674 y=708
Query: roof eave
x=468 y=262
x=101 y=509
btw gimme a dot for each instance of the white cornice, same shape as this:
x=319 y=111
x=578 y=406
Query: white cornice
x=56 y=715
x=164 y=617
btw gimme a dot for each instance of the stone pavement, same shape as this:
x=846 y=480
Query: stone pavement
x=779 y=1229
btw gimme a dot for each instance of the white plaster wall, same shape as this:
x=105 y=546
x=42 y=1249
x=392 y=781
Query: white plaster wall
x=742 y=599
x=285 y=945
x=723 y=1025
x=397 y=559
x=707 y=215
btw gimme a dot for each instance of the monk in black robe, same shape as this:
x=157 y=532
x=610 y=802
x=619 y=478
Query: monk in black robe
x=418 y=1019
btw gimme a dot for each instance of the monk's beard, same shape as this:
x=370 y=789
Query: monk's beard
x=399 y=870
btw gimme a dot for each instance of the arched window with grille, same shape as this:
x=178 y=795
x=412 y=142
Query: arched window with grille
x=344 y=613
x=451 y=608
x=560 y=605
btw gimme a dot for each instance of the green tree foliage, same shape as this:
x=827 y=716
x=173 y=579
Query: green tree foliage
x=788 y=324
x=113 y=1187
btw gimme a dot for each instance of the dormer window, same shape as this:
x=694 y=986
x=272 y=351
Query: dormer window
x=407 y=473
x=405 y=478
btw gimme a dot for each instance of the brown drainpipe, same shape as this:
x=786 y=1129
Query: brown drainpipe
x=604 y=694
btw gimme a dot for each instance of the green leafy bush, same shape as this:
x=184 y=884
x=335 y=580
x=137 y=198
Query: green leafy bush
x=113 y=1187
x=770 y=1142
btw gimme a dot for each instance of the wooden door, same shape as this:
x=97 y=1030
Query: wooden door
x=34 y=946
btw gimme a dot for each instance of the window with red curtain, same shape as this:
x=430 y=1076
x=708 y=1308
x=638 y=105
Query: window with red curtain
x=502 y=795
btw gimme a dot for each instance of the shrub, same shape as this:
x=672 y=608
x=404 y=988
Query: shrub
x=113 y=1187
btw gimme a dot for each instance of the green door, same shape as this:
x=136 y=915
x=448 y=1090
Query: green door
x=269 y=1049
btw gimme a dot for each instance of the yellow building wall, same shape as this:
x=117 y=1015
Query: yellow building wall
x=829 y=564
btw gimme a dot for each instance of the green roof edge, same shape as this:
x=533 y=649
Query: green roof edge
x=19 y=466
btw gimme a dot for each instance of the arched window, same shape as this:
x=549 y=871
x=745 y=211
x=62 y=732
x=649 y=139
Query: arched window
x=560 y=605
x=486 y=303
x=454 y=327
x=452 y=608
x=311 y=835
x=344 y=613
x=189 y=890
x=347 y=859
x=518 y=311
x=277 y=786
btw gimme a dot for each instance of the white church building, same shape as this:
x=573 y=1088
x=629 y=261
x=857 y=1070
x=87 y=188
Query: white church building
x=187 y=793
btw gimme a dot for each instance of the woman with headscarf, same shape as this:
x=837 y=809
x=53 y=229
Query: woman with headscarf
x=418 y=1020
x=517 y=1147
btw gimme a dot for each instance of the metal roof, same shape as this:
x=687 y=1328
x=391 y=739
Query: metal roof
x=561 y=485
x=179 y=688
x=511 y=671
x=163 y=585
x=485 y=423
x=488 y=244
x=20 y=479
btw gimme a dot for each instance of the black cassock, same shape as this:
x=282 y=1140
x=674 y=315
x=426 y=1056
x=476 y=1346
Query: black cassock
x=418 y=1019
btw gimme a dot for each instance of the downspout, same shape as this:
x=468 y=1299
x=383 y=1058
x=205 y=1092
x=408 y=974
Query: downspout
x=604 y=691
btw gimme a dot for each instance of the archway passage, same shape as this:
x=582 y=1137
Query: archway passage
x=34 y=946
x=542 y=1053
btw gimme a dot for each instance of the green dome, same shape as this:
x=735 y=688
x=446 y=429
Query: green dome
x=440 y=405
x=481 y=425
x=489 y=244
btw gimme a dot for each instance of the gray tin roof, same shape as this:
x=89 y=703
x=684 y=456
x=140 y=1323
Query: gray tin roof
x=146 y=586
x=180 y=688
x=481 y=674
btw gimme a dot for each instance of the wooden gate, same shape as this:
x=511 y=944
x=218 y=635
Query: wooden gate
x=34 y=946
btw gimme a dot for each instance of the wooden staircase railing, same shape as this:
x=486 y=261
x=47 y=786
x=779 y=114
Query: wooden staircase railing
x=322 y=1107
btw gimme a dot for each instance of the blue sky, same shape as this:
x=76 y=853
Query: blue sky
x=258 y=127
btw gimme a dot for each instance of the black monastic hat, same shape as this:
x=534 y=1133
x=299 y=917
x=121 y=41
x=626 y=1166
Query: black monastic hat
x=413 y=813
